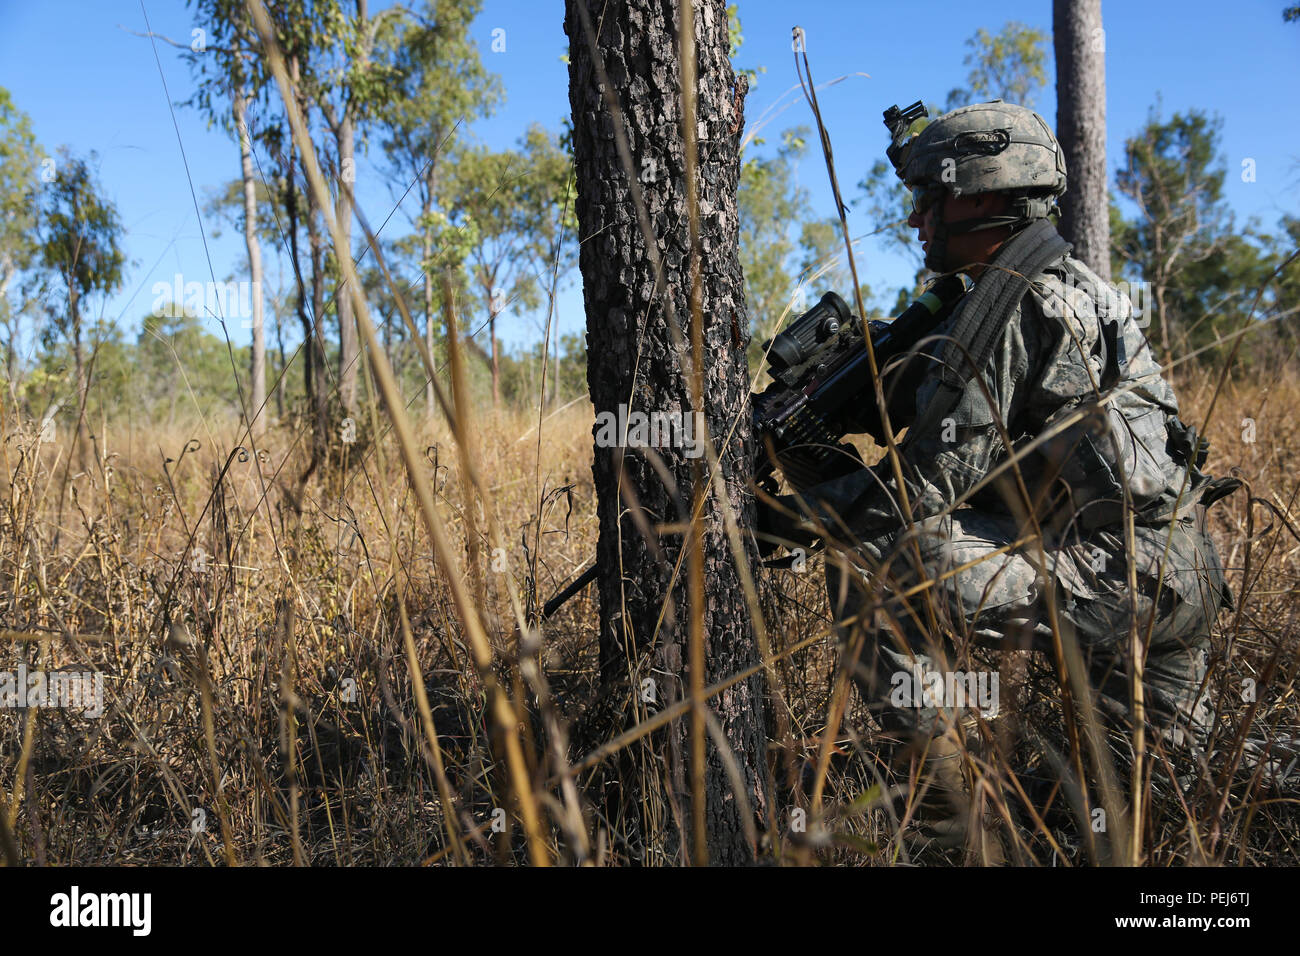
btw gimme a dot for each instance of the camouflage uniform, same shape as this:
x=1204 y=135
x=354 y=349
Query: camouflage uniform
x=1047 y=365
x=1069 y=373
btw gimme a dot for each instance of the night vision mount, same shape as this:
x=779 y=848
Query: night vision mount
x=898 y=122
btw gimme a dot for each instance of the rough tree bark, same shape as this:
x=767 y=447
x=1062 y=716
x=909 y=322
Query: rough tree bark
x=636 y=359
x=1081 y=127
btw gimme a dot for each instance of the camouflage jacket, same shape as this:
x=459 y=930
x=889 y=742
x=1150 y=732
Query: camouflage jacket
x=1073 y=375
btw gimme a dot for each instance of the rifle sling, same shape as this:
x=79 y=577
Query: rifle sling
x=985 y=313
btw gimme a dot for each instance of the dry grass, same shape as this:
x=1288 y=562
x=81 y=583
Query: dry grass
x=279 y=723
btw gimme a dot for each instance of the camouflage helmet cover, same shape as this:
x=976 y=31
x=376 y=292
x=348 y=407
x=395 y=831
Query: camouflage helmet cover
x=986 y=147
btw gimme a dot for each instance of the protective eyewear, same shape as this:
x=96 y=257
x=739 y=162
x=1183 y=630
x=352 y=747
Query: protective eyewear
x=923 y=197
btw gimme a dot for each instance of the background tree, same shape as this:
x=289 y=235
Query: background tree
x=180 y=371
x=230 y=60
x=1080 y=44
x=638 y=322
x=296 y=39
x=19 y=157
x=231 y=69
x=80 y=236
x=509 y=207
x=257 y=397
x=440 y=85
x=772 y=206
x=1286 y=301
x=351 y=87
x=1173 y=176
x=1008 y=65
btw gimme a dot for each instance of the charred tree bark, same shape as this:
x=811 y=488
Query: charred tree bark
x=1081 y=127
x=638 y=339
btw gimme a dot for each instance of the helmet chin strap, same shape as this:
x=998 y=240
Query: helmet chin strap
x=938 y=251
x=1024 y=210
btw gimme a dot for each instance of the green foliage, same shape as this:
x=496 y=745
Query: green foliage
x=1201 y=273
x=771 y=205
x=1281 y=248
x=19 y=157
x=521 y=372
x=789 y=257
x=225 y=204
x=887 y=203
x=79 y=238
x=181 y=368
x=823 y=264
x=438 y=82
x=1008 y=65
x=511 y=214
x=174 y=372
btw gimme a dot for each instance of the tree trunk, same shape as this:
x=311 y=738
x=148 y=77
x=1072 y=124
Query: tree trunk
x=320 y=387
x=1081 y=128
x=313 y=339
x=348 y=346
x=426 y=264
x=555 y=368
x=314 y=371
x=83 y=382
x=635 y=357
x=300 y=300
x=257 y=400
x=11 y=351
x=496 y=367
x=281 y=376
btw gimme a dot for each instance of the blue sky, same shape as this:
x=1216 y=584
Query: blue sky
x=91 y=84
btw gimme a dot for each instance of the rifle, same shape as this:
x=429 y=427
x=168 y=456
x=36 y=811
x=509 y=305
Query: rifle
x=821 y=390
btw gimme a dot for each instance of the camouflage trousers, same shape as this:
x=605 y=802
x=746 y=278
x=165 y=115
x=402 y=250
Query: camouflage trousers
x=992 y=592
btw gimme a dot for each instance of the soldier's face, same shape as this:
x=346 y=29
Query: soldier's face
x=964 y=248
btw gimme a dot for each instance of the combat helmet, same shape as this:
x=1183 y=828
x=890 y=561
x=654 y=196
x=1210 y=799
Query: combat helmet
x=981 y=148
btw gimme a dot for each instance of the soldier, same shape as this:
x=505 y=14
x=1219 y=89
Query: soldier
x=1038 y=424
